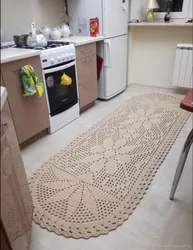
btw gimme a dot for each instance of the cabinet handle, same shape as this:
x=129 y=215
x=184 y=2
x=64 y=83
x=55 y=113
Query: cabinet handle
x=88 y=85
x=4 y=127
x=86 y=51
x=15 y=70
x=87 y=60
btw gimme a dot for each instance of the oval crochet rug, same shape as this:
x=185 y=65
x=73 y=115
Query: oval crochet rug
x=92 y=186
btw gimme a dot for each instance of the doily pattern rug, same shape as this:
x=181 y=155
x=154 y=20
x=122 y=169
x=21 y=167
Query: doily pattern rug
x=92 y=186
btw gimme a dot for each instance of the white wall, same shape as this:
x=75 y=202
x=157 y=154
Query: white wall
x=152 y=53
x=16 y=15
x=48 y=12
x=138 y=10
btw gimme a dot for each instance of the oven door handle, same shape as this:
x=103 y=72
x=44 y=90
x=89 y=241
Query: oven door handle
x=47 y=71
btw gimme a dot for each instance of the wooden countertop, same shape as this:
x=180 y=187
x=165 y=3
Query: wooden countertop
x=13 y=54
x=82 y=40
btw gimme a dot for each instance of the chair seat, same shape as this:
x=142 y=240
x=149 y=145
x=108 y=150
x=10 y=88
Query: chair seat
x=187 y=103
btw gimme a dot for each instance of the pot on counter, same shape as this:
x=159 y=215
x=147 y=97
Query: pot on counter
x=20 y=40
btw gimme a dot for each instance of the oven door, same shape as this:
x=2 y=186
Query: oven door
x=61 y=97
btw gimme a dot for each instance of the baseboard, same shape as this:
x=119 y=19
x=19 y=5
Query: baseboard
x=175 y=90
x=33 y=139
x=87 y=107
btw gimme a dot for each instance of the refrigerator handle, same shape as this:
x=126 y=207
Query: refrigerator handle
x=107 y=62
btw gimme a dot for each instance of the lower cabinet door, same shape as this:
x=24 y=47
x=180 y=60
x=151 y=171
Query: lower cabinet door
x=16 y=200
x=30 y=114
x=87 y=69
x=87 y=78
x=87 y=93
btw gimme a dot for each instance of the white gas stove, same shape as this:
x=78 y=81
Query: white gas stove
x=58 y=60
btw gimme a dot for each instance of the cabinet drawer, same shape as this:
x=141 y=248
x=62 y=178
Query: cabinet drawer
x=87 y=93
x=85 y=50
x=86 y=69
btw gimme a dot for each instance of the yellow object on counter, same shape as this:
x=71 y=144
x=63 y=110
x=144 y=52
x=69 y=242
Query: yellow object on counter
x=150 y=16
x=66 y=80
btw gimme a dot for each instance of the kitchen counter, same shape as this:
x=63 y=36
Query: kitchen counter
x=158 y=23
x=3 y=96
x=13 y=54
x=82 y=40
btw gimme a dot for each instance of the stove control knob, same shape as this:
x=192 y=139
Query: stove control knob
x=59 y=58
x=52 y=61
x=67 y=56
x=63 y=57
x=71 y=55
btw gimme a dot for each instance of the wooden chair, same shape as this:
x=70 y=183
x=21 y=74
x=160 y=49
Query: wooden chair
x=186 y=104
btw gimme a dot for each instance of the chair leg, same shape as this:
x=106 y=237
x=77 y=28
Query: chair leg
x=181 y=163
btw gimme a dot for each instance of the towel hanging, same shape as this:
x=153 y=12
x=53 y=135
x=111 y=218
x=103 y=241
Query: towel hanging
x=31 y=81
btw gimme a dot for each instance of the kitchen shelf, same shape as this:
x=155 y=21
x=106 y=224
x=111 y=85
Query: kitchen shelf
x=161 y=24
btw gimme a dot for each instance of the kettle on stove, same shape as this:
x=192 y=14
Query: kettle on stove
x=36 y=39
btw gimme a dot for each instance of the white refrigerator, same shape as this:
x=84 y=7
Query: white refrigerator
x=113 y=22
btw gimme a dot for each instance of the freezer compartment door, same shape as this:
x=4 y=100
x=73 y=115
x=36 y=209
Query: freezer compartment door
x=115 y=65
x=115 y=18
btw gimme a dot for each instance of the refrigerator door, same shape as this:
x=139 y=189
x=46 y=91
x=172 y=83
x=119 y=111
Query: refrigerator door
x=115 y=66
x=115 y=18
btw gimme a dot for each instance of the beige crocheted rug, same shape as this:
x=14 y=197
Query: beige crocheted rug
x=94 y=184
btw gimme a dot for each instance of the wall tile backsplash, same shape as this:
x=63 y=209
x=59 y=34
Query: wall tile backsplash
x=16 y=17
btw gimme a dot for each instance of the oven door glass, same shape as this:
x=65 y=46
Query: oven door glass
x=61 y=86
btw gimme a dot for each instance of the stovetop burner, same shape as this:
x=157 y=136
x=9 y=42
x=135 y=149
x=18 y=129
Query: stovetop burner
x=50 y=45
x=54 y=44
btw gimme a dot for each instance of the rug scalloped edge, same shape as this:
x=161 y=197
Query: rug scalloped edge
x=105 y=232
